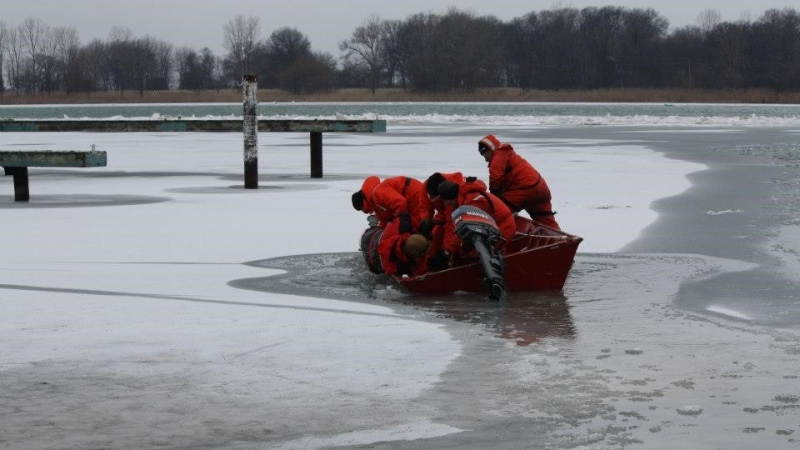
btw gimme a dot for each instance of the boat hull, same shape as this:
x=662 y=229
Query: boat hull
x=539 y=258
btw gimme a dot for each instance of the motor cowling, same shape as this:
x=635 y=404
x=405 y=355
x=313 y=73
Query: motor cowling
x=473 y=223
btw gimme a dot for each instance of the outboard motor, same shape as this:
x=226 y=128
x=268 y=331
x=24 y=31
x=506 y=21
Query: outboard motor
x=477 y=228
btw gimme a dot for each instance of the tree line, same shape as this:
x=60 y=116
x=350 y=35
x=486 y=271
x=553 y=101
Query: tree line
x=562 y=48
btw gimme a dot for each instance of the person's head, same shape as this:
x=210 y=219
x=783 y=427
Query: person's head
x=416 y=247
x=358 y=200
x=448 y=191
x=487 y=145
x=362 y=198
x=432 y=184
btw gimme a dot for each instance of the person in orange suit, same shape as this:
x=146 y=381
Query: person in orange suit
x=474 y=193
x=393 y=198
x=432 y=188
x=516 y=181
x=388 y=251
x=432 y=226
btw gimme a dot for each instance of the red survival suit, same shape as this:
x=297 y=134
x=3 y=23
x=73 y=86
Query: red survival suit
x=474 y=193
x=515 y=180
x=393 y=196
x=383 y=251
x=435 y=205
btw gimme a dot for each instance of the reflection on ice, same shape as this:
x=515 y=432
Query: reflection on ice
x=524 y=318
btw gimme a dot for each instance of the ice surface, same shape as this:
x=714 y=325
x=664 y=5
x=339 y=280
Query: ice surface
x=156 y=303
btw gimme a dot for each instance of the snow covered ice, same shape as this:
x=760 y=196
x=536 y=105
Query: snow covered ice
x=157 y=303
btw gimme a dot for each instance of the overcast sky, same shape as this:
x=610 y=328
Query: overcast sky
x=198 y=23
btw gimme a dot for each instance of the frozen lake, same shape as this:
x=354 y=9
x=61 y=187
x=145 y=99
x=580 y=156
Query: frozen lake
x=156 y=303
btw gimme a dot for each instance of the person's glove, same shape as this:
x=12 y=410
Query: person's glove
x=426 y=228
x=439 y=261
x=405 y=223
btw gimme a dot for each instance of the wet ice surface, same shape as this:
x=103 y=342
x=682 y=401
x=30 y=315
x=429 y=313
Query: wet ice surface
x=608 y=363
x=120 y=327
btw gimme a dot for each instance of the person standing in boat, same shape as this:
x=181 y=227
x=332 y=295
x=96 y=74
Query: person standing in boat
x=395 y=198
x=514 y=180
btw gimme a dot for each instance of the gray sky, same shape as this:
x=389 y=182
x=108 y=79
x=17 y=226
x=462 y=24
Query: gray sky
x=198 y=23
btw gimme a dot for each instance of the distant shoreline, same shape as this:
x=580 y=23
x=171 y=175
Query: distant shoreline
x=759 y=96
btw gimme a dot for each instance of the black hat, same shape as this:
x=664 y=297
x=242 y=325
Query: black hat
x=448 y=190
x=358 y=200
x=432 y=184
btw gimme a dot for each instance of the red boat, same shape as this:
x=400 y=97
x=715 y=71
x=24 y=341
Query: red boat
x=537 y=259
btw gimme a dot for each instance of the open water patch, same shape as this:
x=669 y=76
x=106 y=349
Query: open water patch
x=524 y=318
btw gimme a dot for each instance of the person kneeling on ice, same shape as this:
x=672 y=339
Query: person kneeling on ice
x=387 y=251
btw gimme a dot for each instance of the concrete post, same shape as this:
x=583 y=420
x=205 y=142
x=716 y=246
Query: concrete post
x=250 y=127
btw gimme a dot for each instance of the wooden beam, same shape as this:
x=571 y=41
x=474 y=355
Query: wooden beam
x=180 y=125
x=16 y=163
x=52 y=158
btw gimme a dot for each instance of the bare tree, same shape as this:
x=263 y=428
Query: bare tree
x=33 y=33
x=365 y=49
x=395 y=63
x=682 y=54
x=241 y=35
x=472 y=49
x=288 y=59
x=420 y=49
x=211 y=70
x=14 y=53
x=708 y=19
x=162 y=72
x=93 y=67
x=119 y=54
x=727 y=48
x=186 y=67
x=3 y=43
x=557 y=48
x=119 y=33
x=196 y=71
x=75 y=63
x=601 y=32
x=643 y=29
x=144 y=62
x=774 y=50
x=309 y=73
x=59 y=44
